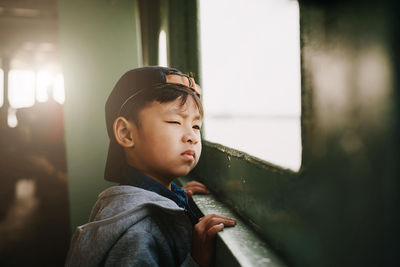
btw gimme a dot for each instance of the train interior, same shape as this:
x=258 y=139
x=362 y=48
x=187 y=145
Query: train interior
x=301 y=124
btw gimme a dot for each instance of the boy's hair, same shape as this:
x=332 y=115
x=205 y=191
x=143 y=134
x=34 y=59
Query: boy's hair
x=162 y=93
x=134 y=91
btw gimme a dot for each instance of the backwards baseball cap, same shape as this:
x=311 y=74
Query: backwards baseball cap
x=128 y=87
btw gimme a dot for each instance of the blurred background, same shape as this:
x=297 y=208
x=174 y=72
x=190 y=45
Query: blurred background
x=34 y=217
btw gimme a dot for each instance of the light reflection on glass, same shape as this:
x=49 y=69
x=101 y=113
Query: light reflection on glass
x=58 y=89
x=12 y=118
x=1 y=87
x=23 y=92
x=162 y=49
x=21 y=88
x=25 y=87
x=43 y=82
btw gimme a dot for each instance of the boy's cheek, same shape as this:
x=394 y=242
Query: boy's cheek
x=200 y=147
x=198 y=157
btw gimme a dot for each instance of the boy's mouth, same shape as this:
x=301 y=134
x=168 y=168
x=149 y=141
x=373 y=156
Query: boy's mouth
x=189 y=155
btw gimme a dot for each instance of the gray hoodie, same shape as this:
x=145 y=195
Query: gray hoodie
x=130 y=226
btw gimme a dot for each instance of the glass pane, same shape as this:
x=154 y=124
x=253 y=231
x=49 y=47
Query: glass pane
x=58 y=89
x=251 y=77
x=21 y=87
x=162 y=49
x=43 y=83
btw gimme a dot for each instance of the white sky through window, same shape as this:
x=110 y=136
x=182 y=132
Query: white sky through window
x=44 y=80
x=251 y=77
x=21 y=85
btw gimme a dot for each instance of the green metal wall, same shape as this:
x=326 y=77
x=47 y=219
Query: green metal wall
x=341 y=208
x=99 y=42
x=179 y=20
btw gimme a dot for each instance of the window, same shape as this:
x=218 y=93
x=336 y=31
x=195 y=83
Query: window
x=58 y=88
x=43 y=82
x=25 y=87
x=21 y=85
x=1 y=87
x=162 y=49
x=251 y=77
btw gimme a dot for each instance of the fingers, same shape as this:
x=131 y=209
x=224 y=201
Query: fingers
x=219 y=218
x=209 y=221
x=204 y=233
x=214 y=230
x=196 y=187
x=189 y=193
x=195 y=183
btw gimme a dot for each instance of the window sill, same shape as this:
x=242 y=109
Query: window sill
x=239 y=245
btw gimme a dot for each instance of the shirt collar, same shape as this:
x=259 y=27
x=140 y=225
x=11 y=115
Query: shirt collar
x=136 y=178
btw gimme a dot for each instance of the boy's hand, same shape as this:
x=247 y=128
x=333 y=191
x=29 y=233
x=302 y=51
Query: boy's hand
x=204 y=232
x=194 y=187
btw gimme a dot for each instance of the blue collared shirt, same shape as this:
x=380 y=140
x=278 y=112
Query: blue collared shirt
x=176 y=194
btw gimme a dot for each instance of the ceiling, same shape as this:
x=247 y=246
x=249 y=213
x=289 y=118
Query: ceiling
x=28 y=31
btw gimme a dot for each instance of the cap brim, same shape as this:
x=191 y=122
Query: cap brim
x=115 y=163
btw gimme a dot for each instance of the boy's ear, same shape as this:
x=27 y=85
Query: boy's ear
x=123 y=132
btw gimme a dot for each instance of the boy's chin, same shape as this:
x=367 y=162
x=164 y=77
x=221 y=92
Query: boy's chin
x=182 y=173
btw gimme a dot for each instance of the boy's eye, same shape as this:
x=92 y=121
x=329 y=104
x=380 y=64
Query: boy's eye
x=197 y=127
x=174 y=122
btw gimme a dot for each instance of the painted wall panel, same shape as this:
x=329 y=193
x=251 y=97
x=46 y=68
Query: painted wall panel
x=99 y=42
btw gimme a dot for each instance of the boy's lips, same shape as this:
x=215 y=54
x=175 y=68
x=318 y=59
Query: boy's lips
x=189 y=155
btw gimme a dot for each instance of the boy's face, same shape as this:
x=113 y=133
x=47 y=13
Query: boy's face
x=167 y=143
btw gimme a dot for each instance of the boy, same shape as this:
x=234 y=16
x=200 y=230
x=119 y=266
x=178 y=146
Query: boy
x=153 y=118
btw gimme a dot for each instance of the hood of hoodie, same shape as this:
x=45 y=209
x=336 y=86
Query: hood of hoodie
x=117 y=209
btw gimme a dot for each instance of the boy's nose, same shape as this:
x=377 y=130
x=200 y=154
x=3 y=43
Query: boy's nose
x=190 y=138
